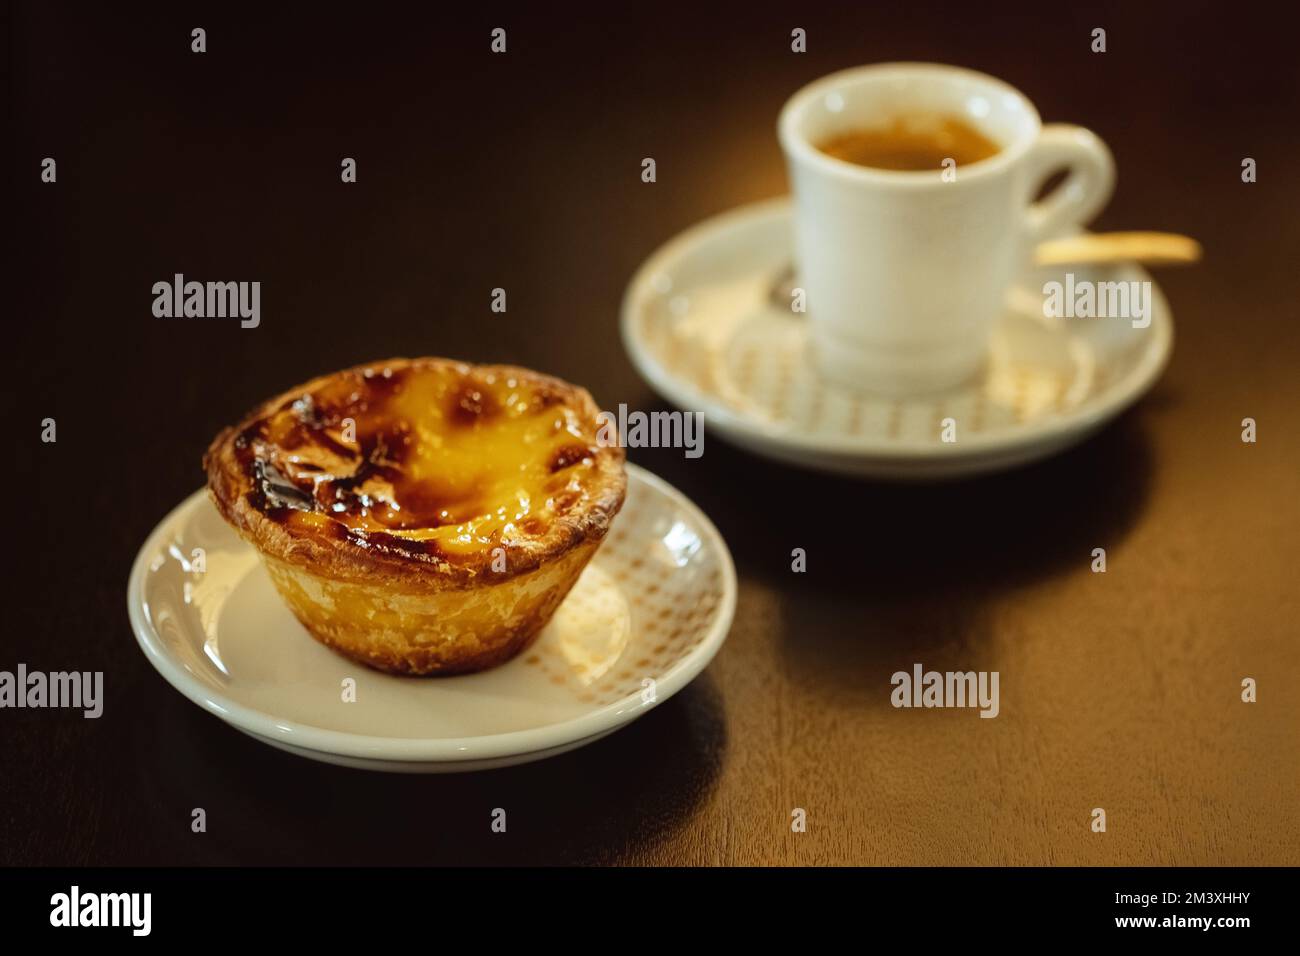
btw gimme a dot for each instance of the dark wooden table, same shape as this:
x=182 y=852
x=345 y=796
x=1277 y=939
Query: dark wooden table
x=521 y=171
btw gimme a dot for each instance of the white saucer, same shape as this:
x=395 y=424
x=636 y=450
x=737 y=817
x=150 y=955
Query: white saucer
x=700 y=324
x=654 y=605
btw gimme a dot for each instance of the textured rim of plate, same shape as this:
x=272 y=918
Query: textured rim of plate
x=686 y=395
x=448 y=749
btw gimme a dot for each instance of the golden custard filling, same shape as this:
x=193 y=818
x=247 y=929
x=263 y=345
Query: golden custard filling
x=439 y=460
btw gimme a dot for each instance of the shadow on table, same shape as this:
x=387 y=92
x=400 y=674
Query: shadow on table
x=895 y=572
x=609 y=802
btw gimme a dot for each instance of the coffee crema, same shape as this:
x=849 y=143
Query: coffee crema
x=912 y=143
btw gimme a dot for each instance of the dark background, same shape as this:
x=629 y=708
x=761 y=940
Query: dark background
x=523 y=171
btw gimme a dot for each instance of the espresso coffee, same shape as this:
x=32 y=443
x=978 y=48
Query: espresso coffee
x=912 y=143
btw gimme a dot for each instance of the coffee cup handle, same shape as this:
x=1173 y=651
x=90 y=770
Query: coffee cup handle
x=1088 y=184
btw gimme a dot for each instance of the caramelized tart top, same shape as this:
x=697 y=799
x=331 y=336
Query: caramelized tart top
x=427 y=469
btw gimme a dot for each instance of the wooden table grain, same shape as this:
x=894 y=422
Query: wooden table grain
x=521 y=171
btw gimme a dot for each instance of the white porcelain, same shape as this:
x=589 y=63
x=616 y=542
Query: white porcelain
x=700 y=325
x=905 y=272
x=646 y=617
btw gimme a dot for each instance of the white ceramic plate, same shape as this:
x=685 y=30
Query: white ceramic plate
x=646 y=617
x=700 y=323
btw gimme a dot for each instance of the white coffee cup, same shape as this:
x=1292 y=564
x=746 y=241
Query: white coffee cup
x=905 y=273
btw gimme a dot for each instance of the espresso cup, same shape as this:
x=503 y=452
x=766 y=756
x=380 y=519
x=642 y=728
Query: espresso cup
x=905 y=273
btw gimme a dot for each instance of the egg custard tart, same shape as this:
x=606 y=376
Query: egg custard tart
x=422 y=516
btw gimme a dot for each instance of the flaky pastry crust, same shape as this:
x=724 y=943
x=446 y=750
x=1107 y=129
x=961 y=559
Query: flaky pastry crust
x=421 y=515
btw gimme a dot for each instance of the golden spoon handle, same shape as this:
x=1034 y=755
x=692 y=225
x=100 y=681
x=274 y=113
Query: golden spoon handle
x=1103 y=248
